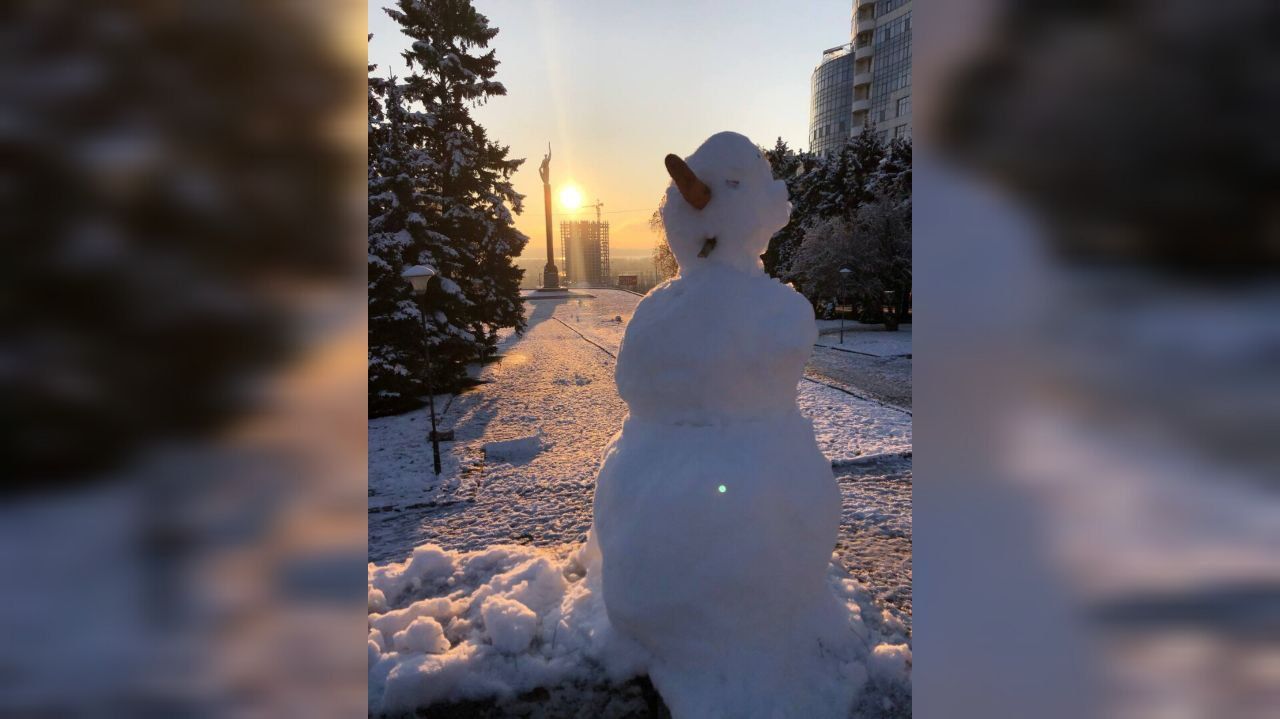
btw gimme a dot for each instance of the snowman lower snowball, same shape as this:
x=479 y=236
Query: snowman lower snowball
x=715 y=512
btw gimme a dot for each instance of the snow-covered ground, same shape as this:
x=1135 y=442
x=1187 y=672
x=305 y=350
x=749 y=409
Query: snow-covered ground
x=522 y=472
x=866 y=338
x=550 y=380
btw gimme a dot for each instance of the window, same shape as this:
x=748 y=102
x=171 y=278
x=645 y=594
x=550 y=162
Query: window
x=904 y=106
x=900 y=130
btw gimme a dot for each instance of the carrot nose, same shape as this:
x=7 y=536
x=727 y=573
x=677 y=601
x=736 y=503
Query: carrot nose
x=693 y=190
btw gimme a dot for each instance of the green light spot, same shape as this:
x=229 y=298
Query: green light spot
x=723 y=489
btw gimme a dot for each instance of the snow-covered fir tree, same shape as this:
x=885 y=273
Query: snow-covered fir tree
x=396 y=362
x=461 y=222
x=440 y=194
x=800 y=171
x=850 y=177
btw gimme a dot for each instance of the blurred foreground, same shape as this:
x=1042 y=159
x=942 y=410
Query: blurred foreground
x=1098 y=360
x=183 y=359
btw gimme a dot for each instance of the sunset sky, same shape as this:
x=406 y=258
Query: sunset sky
x=614 y=86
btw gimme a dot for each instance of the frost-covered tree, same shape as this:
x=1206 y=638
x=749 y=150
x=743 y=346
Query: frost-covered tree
x=882 y=246
x=664 y=261
x=461 y=222
x=826 y=247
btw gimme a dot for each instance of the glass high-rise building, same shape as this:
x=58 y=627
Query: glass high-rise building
x=867 y=83
x=830 y=100
x=881 y=33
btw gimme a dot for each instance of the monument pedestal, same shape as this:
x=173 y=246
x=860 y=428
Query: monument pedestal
x=551 y=279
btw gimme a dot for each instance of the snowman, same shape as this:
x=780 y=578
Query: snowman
x=715 y=512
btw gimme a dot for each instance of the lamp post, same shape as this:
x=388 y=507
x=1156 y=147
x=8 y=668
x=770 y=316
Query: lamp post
x=419 y=276
x=890 y=311
x=844 y=279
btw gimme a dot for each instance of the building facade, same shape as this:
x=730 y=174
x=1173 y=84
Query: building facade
x=881 y=35
x=830 y=100
x=584 y=245
x=869 y=80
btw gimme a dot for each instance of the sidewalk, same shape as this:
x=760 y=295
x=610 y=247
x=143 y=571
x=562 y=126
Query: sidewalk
x=866 y=338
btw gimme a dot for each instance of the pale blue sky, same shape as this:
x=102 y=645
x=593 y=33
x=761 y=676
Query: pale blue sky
x=616 y=85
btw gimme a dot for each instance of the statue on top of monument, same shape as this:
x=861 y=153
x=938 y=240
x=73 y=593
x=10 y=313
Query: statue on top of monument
x=545 y=169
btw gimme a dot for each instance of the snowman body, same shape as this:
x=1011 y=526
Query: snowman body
x=715 y=512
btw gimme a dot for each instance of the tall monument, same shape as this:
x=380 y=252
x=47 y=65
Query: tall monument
x=550 y=275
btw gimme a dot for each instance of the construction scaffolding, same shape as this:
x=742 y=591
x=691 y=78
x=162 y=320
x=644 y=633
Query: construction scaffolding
x=584 y=249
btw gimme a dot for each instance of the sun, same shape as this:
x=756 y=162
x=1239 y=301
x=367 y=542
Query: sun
x=570 y=198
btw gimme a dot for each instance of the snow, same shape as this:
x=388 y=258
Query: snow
x=451 y=287
x=866 y=338
x=513 y=619
x=424 y=635
x=509 y=625
x=518 y=450
x=891 y=662
x=850 y=429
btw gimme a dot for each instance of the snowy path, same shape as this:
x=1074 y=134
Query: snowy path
x=557 y=379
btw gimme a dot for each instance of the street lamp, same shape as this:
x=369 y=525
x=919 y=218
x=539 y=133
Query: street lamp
x=419 y=276
x=844 y=279
x=890 y=311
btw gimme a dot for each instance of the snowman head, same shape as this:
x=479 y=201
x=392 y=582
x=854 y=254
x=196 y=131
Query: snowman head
x=723 y=205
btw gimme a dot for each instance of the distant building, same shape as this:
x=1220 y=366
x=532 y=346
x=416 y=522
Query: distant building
x=629 y=282
x=584 y=245
x=831 y=100
x=867 y=83
x=881 y=34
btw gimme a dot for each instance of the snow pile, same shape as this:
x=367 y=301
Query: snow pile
x=715 y=511
x=424 y=635
x=495 y=624
x=891 y=663
x=520 y=449
x=509 y=625
x=453 y=626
